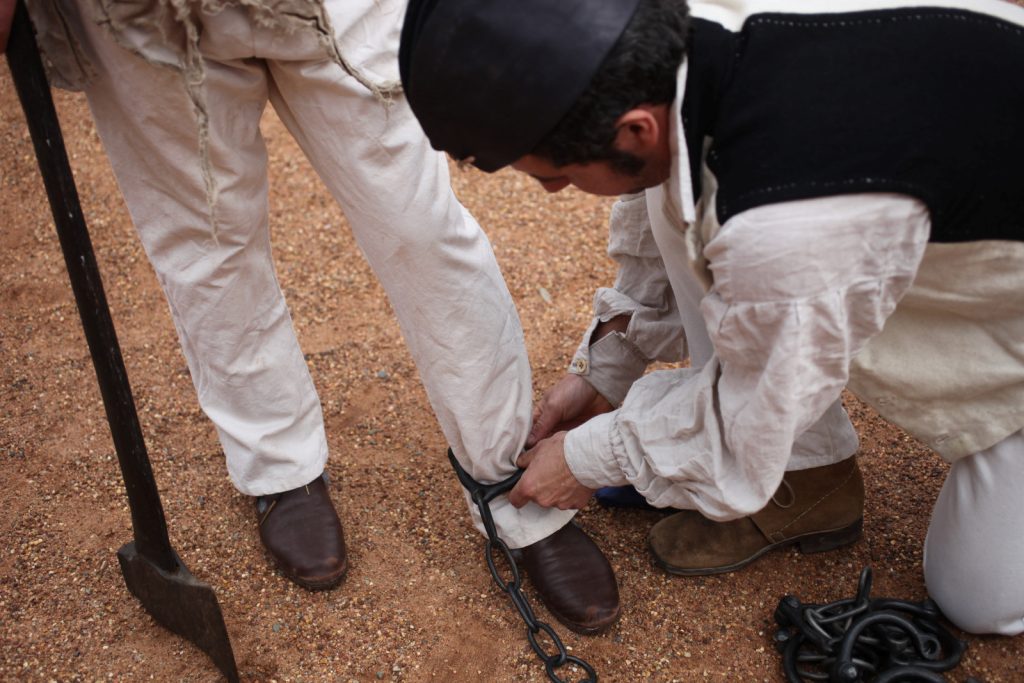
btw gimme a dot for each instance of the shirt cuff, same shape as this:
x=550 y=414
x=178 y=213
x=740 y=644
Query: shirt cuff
x=589 y=455
x=610 y=365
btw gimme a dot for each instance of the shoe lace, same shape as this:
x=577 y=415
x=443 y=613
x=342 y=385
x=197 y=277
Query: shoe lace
x=792 y=496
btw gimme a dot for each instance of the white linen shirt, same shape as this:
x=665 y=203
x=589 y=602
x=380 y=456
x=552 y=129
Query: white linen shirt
x=799 y=288
x=794 y=291
x=777 y=310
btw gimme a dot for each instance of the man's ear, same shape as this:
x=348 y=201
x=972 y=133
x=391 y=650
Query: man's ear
x=638 y=131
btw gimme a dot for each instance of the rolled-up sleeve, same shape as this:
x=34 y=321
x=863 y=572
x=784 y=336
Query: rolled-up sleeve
x=799 y=288
x=641 y=291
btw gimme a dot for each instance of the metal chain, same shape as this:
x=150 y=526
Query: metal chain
x=536 y=630
x=858 y=639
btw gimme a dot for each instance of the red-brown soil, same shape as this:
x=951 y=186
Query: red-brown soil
x=418 y=604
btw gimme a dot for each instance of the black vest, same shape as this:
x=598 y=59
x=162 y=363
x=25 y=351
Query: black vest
x=925 y=102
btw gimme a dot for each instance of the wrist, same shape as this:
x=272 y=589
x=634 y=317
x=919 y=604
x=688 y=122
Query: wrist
x=617 y=324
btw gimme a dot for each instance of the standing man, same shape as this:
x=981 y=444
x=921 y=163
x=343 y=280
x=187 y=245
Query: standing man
x=819 y=195
x=177 y=90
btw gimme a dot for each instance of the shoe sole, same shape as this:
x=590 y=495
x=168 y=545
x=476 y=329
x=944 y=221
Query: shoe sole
x=587 y=630
x=319 y=584
x=817 y=542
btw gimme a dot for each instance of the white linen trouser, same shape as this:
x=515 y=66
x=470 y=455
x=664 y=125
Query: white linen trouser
x=430 y=255
x=974 y=552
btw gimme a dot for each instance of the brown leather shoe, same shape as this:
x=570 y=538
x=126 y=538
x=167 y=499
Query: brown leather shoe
x=301 y=530
x=573 y=578
x=817 y=509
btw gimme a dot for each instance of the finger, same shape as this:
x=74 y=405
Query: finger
x=538 y=427
x=535 y=435
x=543 y=424
x=581 y=499
x=525 y=458
x=516 y=497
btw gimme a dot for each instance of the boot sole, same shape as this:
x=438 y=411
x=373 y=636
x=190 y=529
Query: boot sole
x=817 y=542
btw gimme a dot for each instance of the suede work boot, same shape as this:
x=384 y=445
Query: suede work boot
x=573 y=579
x=817 y=509
x=301 y=531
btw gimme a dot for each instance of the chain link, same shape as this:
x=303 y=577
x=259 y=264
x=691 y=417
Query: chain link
x=482 y=495
x=879 y=639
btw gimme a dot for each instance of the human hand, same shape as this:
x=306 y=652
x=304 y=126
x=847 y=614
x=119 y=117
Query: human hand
x=6 y=15
x=548 y=481
x=570 y=402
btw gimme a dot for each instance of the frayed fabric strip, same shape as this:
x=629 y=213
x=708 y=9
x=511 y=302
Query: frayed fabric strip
x=167 y=33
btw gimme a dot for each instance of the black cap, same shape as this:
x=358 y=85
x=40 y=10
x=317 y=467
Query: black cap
x=488 y=79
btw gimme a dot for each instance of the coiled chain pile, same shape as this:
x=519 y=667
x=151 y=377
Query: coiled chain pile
x=881 y=640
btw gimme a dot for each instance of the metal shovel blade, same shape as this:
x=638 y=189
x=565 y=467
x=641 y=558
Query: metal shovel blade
x=180 y=603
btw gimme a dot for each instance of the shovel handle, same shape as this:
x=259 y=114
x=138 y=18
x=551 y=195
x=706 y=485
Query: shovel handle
x=148 y=523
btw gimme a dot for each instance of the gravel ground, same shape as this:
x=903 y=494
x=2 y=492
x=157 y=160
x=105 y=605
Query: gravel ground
x=418 y=604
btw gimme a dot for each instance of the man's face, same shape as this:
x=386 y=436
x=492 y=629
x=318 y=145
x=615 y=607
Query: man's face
x=642 y=133
x=596 y=177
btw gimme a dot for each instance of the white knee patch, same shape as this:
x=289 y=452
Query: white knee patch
x=974 y=553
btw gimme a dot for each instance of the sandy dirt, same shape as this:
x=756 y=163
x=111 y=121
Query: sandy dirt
x=418 y=604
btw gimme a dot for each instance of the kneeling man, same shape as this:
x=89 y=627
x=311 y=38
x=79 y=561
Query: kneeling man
x=817 y=196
